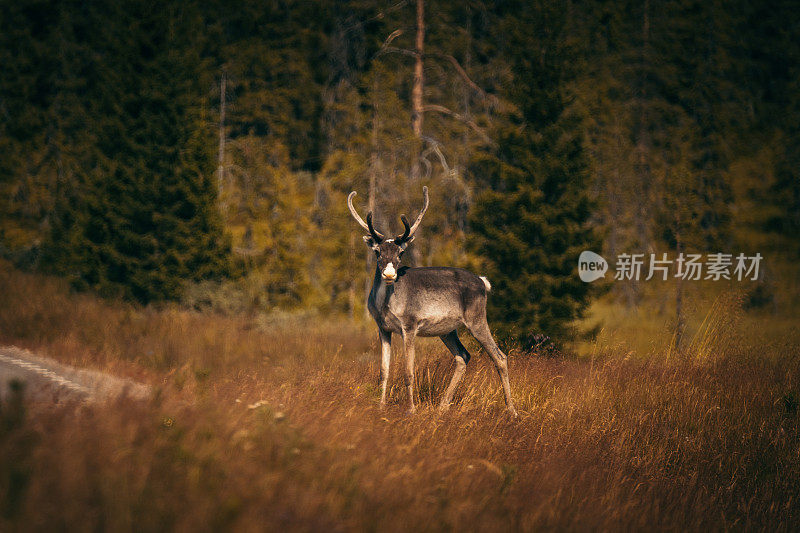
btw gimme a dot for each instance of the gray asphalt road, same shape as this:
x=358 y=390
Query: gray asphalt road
x=44 y=379
x=36 y=386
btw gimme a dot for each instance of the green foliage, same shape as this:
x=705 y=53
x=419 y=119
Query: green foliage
x=143 y=220
x=50 y=96
x=267 y=210
x=273 y=55
x=337 y=266
x=661 y=97
x=784 y=108
x=679 y=118
x=532 y=220
x=528 y=233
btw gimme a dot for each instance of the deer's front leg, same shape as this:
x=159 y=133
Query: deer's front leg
x=408 y=347
x=386 y=358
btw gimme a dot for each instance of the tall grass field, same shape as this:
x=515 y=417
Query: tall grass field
x=260 y=424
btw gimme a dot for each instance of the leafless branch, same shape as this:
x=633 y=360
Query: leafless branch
x=394 y=50
x=444 y=110
x=435 y=146
x=463 y=73
x=377 y=16
x=428 y=167
x=386 y=49
x=394 y=35
x=247 y=252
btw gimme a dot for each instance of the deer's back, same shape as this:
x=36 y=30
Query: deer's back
x=436 y=299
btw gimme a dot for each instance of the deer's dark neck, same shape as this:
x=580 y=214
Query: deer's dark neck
x=379 y=294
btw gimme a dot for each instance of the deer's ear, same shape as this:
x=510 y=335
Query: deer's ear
x=407 y=242
x=370 y=242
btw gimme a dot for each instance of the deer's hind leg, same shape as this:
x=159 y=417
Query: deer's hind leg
x=480 y=330
x=462 y=358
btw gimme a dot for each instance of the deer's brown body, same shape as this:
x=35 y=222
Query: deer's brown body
x=426 y=302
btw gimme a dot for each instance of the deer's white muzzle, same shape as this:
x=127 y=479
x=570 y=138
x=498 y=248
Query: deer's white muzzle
x=389 y=273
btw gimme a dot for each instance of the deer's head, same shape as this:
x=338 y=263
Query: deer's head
x=388 y=252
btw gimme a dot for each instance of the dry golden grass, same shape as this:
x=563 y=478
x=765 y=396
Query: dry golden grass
x=260 y=426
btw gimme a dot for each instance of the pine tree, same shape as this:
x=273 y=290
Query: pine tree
x=658 y=95
x=46 y=97
x=778 y=42
x=531 y=221
x=142 y=221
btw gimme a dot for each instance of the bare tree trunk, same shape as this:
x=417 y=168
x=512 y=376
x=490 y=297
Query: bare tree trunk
x=246 y=187
x=417 y=90
x=679 y=318
x=642 y=169
x=643 y=140
x=373 y=183
x=221 y=156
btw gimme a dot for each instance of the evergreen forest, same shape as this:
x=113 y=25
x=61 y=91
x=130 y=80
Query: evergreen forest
x=202 y=152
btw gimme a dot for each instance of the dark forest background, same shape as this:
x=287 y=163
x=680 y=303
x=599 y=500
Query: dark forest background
x=203 y=151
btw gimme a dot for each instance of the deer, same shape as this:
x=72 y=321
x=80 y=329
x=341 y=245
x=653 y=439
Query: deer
x=426 y=302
